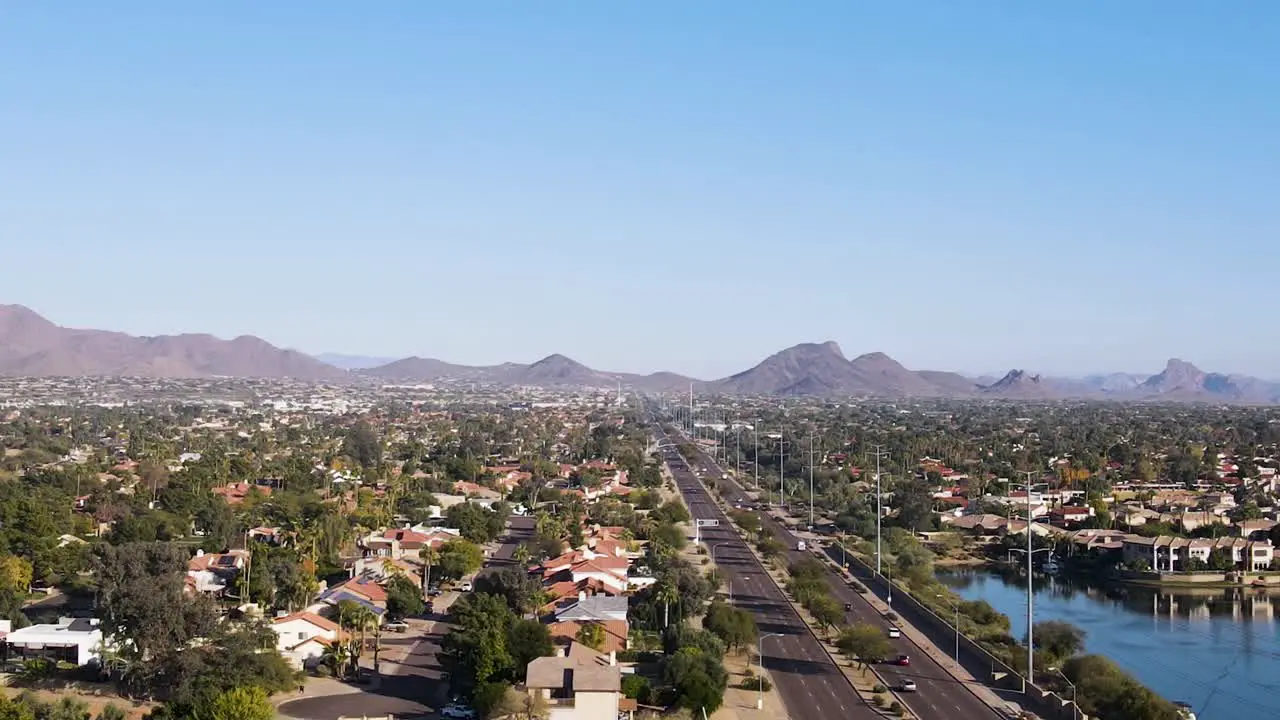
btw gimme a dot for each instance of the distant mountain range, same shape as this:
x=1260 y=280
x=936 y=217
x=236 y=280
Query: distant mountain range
x=32 y=345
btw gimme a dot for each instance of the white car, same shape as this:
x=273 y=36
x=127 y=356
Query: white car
x=466 y=586
x=908 y=686
x=458 y=712
x=894 y=632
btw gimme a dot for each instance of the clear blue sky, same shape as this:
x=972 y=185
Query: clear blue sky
x=1061 y=186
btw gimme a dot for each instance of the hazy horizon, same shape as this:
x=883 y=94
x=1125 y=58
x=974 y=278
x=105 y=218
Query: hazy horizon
x=684 y=187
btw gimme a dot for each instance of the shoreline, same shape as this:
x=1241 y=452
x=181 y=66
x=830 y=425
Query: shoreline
x=1117 y=578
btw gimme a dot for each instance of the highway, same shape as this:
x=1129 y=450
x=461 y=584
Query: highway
x=939 y=694
x=798 y=666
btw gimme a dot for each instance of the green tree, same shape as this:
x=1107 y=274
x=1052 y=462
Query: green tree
x=697 y=678
x=459 y=558
x=244 y=703
x=1059 y=639
x=362 y=445
x=592 y=635
x=863 y=643
x=827 y=611
x=735 y=626
x=404 y=598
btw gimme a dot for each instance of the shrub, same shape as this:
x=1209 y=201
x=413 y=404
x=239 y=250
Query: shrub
x=895 y=707
x=879 y=688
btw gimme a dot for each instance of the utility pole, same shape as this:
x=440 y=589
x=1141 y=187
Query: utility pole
x=879 y=453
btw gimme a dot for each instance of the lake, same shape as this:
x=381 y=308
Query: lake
x=1216 y=649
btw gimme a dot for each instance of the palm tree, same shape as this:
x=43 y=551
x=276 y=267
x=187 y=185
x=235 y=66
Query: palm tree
x=429 y=556
x=521 y=555
x=666 y=594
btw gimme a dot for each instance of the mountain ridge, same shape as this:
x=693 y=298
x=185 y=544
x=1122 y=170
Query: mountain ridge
x=32 y=345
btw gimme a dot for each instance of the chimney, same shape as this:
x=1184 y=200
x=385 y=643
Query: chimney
x=199 y=553
x=582 y=595
x=613 y=658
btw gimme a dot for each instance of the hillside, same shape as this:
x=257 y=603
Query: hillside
x=32 y=345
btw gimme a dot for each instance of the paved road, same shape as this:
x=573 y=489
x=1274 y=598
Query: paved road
x=939 y=695
x=809 y=683
x=414 y=685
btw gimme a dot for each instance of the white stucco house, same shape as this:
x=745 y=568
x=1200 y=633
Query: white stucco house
x=74 y=640
x=302 y=637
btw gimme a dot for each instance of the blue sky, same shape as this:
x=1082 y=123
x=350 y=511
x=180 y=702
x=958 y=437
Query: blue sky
x=1066 y=187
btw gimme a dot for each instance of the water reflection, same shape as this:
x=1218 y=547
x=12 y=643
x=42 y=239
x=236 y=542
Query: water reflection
x=1217 y=648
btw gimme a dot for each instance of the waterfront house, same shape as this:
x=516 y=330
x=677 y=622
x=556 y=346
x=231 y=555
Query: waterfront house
x=1171 y=554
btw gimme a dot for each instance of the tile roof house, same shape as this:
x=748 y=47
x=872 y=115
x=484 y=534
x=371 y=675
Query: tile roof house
x=596 y=607
x=578 y=684
x=213 y=572
x=235 y=493
x=615 y=633
x=302 y=637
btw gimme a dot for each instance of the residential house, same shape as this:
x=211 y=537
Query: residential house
x=1171 y=554
x=72 y=640
x=303 y=637
x=1253 y=529
x=1069 y=515
x=236 y=492
x=214 y=572
x=578 y=683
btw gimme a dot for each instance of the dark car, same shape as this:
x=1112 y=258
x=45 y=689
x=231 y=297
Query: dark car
x=431 y=608
x=848 y=607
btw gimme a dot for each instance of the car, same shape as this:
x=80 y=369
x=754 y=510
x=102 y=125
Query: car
x=433 y=590
x=908 y=686
x=894 y=632
x=396 y=627
x=466 y=586
x=430 y=608
x=903 y=660
x=455 y=711
x=848 y=607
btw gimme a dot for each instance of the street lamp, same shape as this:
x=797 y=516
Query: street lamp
x=879 y=499
x=954 y=606
x=1075 y=709
x=727 y=577
x=1031 y=651
x=760 y=652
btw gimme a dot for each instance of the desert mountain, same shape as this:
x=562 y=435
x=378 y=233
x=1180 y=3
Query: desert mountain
x=32 y=345
x=822 y=369
x=551 y=371
x=1017 y=384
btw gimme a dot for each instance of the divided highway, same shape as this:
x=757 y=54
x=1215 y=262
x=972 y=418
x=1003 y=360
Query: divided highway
x=809 y=683
x=939 y=694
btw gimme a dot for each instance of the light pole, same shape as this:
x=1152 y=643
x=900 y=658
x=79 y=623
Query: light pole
x=1075 y=709
x=879 y=453
x=755 y=459
x=954 y=606
x=811 y=482
x=760 y=651
x=1031 y=614
x=782 y=463
x=728 y=579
